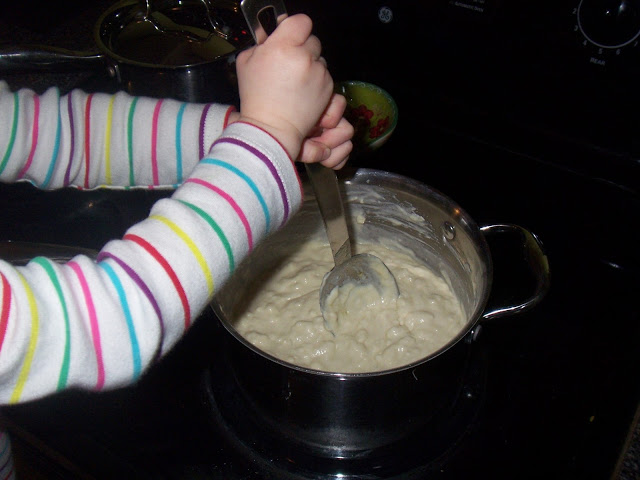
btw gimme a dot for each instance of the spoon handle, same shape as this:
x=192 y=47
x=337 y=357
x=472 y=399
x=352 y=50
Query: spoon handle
x=325 y=186
x=262 y=17
x=323 y=179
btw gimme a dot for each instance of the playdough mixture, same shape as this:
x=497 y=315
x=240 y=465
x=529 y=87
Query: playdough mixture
x=282 y=314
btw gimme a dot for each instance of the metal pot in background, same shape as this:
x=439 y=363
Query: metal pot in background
x=184 y=50
x=307 y=418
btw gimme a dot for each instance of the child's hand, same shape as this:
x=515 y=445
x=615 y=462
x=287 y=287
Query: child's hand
x=330 y=142
x=285 y=88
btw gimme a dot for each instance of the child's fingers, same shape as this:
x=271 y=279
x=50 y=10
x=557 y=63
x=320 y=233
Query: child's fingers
x=294 y=30
x=332 y=137
x=339 y=156
x=334 y=112
x=331 y=147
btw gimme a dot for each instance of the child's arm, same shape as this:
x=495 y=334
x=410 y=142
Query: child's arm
x=90 y=140
x=99 y=324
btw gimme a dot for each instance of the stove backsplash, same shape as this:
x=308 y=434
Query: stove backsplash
x=556 y=79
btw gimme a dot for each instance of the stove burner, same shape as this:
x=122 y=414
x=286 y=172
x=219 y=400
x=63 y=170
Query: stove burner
x=264 y=446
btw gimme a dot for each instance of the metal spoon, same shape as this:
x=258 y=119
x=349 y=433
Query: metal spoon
x=355 y=270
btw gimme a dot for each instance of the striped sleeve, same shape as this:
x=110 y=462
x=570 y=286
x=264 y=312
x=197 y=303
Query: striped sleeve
x=99 y=324
x=100 y=140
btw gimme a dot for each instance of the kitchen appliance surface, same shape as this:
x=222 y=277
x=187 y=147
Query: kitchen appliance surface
x=527 y=114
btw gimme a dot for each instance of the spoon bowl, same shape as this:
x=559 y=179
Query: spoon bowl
x=353 y=277
x=352 y=274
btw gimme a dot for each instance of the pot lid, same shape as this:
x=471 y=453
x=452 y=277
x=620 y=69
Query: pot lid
x=171 y=33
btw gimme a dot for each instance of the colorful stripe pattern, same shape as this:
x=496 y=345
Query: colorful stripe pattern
x=72 y=142
x=272 y=169
x=57 y=287
x=93 y=321
x=25 y=369
x=138 y=126
x=107 y=142
x=144 y=288
x=124 y=303
x=130 y=117
x=252 y=185
x=157 y=256
x=56 y=148
x=179 y=142
x=234 y=205
x=87 y=140
x=34 y=136
x=175 y=243
x=217 y=230
x=4 y=308
x=154 y=143
x=12 y=136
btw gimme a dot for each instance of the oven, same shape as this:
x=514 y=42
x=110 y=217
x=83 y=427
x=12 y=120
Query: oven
x=522 y=112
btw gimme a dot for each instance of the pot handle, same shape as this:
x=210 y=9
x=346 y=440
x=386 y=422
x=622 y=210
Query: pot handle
x=37 y=58
x=533 y=254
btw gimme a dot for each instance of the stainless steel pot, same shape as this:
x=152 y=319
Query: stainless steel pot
x=341 y=419
x=155 y=58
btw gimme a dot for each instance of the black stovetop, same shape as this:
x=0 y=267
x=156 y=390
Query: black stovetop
x=559 y=388
x=556 y=390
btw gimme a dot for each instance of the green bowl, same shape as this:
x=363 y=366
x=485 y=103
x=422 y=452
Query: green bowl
x=372 y=112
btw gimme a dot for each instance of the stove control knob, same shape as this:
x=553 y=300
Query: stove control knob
x=608 y=26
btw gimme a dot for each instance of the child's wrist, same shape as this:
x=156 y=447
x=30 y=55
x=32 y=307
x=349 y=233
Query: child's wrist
x=289 y=140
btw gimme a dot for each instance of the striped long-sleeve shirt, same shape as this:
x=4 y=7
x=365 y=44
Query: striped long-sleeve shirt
x=99 y=324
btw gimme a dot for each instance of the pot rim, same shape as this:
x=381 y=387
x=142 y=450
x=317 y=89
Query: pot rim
x=366 y=176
